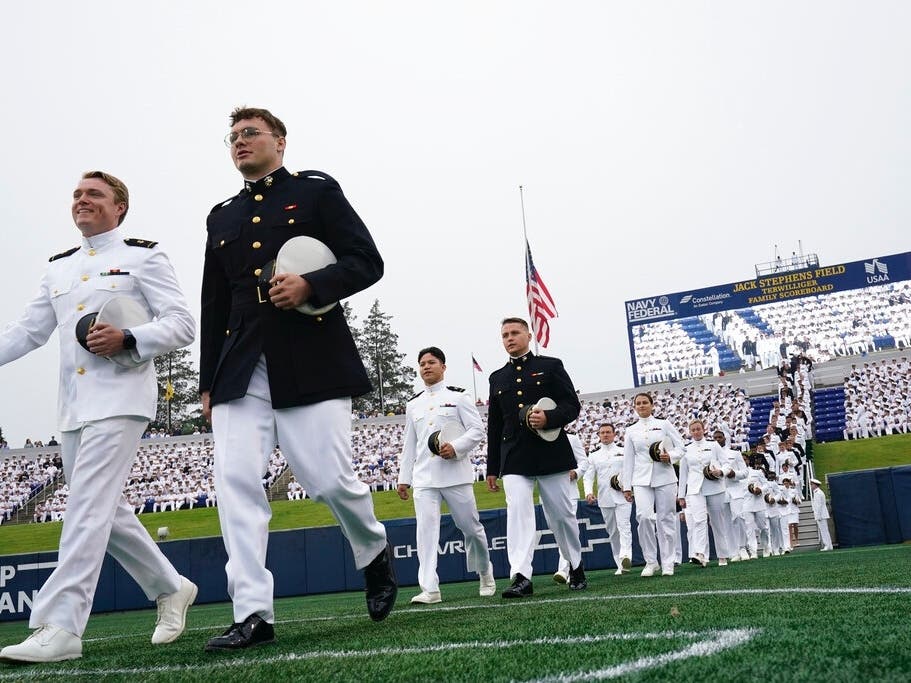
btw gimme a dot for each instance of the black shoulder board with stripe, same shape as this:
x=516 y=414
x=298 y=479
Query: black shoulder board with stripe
x=225 y=203
x=133 y=242
x=416 y=395
x=455 y=388
x=63 y=254
x=314 y=175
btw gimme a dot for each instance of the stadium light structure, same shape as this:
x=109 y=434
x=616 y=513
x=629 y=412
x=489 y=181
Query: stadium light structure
x=796 y=261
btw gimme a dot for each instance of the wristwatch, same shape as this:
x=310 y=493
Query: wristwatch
x=129 y=341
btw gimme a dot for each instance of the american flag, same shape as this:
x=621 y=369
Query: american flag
x=477 y=366
x=541 y=306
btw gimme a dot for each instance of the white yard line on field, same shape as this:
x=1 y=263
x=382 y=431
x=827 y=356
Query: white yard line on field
x=715 y=642
x=709 y=642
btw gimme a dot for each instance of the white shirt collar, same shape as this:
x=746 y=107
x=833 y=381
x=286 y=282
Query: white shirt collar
x=103 y=239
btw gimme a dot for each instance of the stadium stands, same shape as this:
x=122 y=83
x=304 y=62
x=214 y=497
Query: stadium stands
x=825 y=326
x=876 y=397
x=176 y=473
x=23 y=477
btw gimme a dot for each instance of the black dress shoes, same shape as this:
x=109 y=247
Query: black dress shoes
x=577 y=580
x=520 y=588
x=249 y=633
x=381 y=588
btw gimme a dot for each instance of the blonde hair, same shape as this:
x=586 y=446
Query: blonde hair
x=121 y=193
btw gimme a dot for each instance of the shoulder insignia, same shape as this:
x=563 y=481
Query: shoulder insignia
x=134 y=242
x=223 y=204
x=455 y=388
x=63 y=254
x=313 y=175
x=416 y=395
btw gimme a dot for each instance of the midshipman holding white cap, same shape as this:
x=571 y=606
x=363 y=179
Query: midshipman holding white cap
x=108 y=394
x=442 y=426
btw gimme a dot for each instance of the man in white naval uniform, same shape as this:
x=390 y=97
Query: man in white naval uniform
x=821 y=514
x=701 y=494
x=735 y=490
x=606 y=462
x=446 y=476
x=754 y=505
x=103 y=409
x=773 y=513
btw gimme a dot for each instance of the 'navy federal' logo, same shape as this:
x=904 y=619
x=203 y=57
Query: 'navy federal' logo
x=646 y=309
x=877 y=271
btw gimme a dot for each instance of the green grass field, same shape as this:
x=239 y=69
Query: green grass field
x=845 y=456
x=838 y=616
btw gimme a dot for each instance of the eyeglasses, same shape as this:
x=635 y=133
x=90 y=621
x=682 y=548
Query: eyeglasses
x=246 y=134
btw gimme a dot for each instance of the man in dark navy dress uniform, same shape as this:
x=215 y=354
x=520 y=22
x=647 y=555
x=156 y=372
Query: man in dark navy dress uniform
x=270 y=374
x=517 y=453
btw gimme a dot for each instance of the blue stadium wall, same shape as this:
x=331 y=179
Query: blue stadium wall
x=871 y=507
x=759 y=291
x=306 y=561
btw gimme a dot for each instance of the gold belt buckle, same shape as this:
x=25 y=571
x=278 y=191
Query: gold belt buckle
x=259 y=296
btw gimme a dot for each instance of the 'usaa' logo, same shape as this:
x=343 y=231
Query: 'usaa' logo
x=877 y=271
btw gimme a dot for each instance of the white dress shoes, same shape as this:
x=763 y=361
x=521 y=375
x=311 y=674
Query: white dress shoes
x=172 y=612
x=488 y=583
x=426 y=598
x=48 y=644
x=650 y=570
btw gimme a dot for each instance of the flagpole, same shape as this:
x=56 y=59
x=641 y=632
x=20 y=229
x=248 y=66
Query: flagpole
x=474 y=379
x=525 y=235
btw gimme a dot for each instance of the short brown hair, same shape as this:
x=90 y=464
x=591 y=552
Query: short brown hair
x=517 y=321
x=241 y=113
x=121 y=193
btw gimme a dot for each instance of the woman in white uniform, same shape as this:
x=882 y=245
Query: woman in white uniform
x=651 y=448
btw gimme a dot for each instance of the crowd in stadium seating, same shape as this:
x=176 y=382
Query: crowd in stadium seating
x=839 y=324
x=878 y=399
x=664 y=351
x=823 y=327
x=22 y=477
x=171 y=475
x=721 y=406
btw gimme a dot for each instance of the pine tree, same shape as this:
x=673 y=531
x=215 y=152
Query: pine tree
x=185 y=406
x=392 y=377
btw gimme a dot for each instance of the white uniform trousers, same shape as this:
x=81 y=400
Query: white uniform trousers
x=464 y=510
x=618 y=525
x=738 y=525
x=558 y=500
x=656 y=510
x=96 y=462
x=774 y=533
x=697 y=524
x=316 y=441
x=720 y=517
x=783 y=522
x=824 y=537
x=756 y=525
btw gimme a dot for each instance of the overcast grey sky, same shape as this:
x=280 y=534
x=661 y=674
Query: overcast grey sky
x=662 y=146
